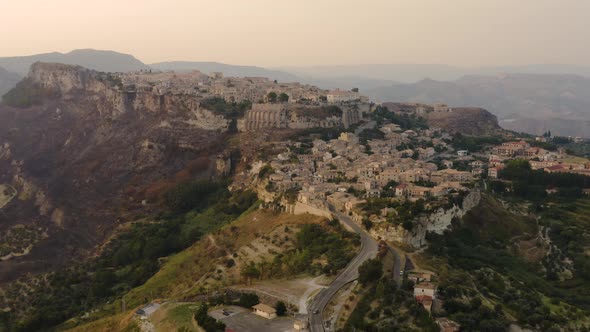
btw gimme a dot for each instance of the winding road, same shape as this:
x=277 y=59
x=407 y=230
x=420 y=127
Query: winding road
x=349 y=274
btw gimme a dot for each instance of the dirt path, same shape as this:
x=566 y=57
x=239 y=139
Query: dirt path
x=144 y=321
x=212 y=239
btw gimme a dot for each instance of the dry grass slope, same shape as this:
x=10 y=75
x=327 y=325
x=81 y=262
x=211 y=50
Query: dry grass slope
x=182 y=274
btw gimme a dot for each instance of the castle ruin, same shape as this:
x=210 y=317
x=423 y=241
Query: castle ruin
x=263 y=116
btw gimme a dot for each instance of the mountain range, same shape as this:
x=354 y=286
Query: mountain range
x=107 y=61
x=411 y=73
x=530 y=103
x=531 y=98
x=7 y=80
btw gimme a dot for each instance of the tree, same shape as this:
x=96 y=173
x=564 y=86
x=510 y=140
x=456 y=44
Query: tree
x=355 y=89
x=249 y=272
x=283 y=97
x=281 y=308
x=370 y=271
x=248 y=300
x=272 y=96
x=208 y=323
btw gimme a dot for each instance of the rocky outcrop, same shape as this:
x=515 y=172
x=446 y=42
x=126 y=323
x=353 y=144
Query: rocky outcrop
x=436 y=222
x=464 y=120
x=111 y=100
x=87 y=153
x=468 y=121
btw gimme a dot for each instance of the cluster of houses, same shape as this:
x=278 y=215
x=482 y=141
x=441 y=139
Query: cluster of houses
x=345 y=172
x=425 y=293
x=232 y=89
x=539 y=158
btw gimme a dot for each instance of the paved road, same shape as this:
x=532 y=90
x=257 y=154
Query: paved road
x=397 y=266
x=349 y=274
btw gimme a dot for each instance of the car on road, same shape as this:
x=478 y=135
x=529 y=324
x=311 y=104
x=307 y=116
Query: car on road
x=140 y=312
x=401 y=273
x=316 y=311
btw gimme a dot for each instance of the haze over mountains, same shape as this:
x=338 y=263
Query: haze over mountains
x=531 y=98
x=108 y=61
x=411 y=73
x=531 y=103
x=7 y=80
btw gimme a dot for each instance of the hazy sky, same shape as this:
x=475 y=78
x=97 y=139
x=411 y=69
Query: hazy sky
x=306 y=32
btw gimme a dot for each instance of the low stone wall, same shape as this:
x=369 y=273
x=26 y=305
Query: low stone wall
x=302 y=208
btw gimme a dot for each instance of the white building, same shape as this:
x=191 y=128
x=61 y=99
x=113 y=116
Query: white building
x=425 y=288
x=340 y=96
x=265 y=311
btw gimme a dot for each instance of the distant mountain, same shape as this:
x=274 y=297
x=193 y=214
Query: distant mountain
x=227 y=70
x=411 y=73
x=7 y=80
x=523 y=102
x=107 y=61
x=383 y=72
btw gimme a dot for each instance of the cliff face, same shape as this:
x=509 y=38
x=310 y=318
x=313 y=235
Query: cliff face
x=469 y=121
x=88 y=156
x=105 y=92
x=436 y=222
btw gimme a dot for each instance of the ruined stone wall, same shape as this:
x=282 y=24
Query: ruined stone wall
x=263 y=116
x=266 y=116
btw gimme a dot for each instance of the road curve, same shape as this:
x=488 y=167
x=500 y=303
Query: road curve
x=349 y=274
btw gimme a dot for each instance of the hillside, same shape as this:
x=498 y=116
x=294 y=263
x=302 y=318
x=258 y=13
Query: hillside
x=7 y=80
x=522 y=102
x=502 y=259
x=107 y=61
x=84 y=157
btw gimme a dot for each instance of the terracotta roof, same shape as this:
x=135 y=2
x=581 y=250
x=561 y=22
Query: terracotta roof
x=555 y=168
x=424 y=299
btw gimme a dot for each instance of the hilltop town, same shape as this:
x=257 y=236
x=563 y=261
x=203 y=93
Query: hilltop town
x=238 y=183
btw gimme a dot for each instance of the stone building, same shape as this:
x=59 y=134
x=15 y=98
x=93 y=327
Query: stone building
x=350 y=117
x=266 y=116
x=342 y=96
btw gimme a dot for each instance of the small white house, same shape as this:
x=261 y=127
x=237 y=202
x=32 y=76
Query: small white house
x=462 y=153
x=425 y=288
